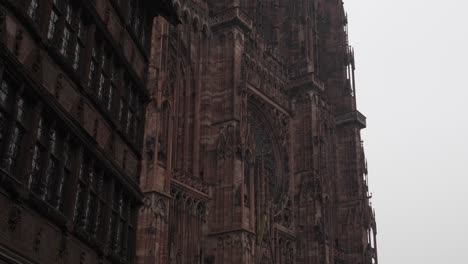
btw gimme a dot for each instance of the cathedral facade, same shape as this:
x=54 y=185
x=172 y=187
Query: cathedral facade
x=181 y=132
x=252 y=149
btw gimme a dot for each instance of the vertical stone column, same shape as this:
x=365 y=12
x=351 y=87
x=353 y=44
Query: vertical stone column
x=314 y=146
x=152 y=228
x=227 y=236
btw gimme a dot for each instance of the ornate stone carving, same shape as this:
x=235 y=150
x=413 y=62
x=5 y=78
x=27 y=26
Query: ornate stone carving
x=80 y=110
x=15 y=217
x=124 y=159
x=191 y=181
x=150 y=151
x=18 y=42
x=58 y=86
x=242 y=240
x=157 y=207
x=36 y=67
x=37 y=239
x=95 y=129
x=111 y=145
x=63 y=248
x=221 y=145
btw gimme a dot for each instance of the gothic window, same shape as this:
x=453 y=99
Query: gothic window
x=37 y=162
x=6 y=94
x=123 y=106
x=51 y=162
x=269 y=170
x=53 y=21
x=122 y=224
x=143 y=34
x=114 y=79
x=134 y=114
x=163 y=132
x=121 y=110
x=90 y=202
x=78 y=46
x=137 y=20
x=135 y=16
x=128 y=125
x=52 y=159
x=67 y=31
x=98 y=72
x=92 y=68
x=130 y=110
x=14 y=112
x=53 y=175
x=103 y=75
x=16 y=137
x=110 y=96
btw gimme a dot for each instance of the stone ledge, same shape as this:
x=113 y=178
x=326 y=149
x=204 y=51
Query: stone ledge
x=351 y=117
x=306 y=82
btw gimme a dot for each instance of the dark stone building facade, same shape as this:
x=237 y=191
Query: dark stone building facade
x=181 y=131
x=73 y=93
x=252 y=147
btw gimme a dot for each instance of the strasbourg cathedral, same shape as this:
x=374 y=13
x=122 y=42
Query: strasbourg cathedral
x=181 y=132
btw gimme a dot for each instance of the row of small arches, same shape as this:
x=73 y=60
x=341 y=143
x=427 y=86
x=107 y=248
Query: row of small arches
x=185 y=15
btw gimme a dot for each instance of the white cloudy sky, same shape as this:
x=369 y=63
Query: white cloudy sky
x=412 y=75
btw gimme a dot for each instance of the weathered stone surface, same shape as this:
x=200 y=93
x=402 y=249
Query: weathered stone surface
x=255 y=121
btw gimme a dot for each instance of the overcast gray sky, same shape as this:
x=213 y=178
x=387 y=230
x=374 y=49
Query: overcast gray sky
x=412 y=84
